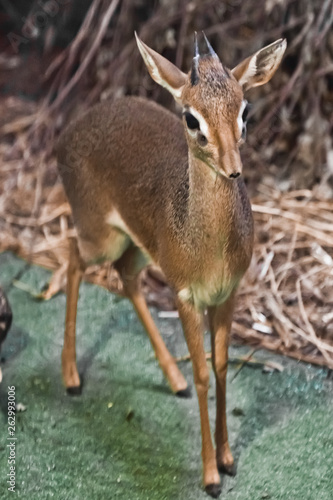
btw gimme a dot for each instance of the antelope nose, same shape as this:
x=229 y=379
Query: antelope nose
x=234 y=175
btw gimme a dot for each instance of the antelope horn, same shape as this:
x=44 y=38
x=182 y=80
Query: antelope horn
x=211 y=51
x=195 y=62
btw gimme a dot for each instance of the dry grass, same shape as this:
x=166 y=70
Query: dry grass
x=285 y=301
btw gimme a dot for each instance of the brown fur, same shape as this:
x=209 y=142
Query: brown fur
x=211 y=214
x=141 y=188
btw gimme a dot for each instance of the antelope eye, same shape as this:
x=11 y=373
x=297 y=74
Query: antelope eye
x=245 y=113
x=191 y=121
x=244 y=131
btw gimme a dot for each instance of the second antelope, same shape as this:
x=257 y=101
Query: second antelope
x=156 y=188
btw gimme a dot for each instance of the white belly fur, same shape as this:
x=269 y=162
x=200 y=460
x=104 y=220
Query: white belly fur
x=113 y=247
x=212 y=293
x=115 y=220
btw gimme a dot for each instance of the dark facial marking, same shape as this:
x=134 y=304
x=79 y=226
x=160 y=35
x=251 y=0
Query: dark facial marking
x=194 y=76
x=202 y=140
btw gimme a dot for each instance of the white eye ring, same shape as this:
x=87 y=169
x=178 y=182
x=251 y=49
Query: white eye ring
x=240 y=122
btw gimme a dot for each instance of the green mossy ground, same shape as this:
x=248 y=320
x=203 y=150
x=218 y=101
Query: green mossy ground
x=127 y=437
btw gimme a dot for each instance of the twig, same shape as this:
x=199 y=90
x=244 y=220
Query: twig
x=83 y=66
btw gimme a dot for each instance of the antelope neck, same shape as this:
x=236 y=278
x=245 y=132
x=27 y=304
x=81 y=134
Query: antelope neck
x=212 y=197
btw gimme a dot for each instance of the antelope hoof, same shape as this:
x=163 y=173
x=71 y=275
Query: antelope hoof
x=74 y=391
x=225 y=461
x=213 y=490
x=230 y=470
x=184 y=393
x=71 y=379
x=74 y=386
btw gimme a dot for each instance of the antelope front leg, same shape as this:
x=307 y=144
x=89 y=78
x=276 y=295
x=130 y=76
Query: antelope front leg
x=193 y=330
x=220 y=318
x=74 y=274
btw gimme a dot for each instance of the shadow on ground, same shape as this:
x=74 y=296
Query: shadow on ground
x=127 y=436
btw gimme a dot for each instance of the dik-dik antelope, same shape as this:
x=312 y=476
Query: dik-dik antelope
x=154 y=188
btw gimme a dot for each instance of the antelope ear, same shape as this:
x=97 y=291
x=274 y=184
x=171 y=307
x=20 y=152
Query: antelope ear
x=162 y=71
x=261 y=66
